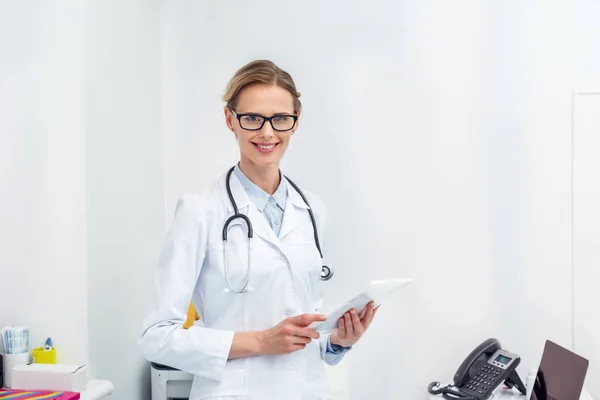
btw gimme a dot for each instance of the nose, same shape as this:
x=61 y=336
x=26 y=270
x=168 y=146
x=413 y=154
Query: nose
x=267 y=131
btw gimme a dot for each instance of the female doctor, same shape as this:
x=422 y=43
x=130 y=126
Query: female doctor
x=246 y=251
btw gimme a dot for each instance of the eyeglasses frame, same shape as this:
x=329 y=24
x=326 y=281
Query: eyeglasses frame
x=265 y=119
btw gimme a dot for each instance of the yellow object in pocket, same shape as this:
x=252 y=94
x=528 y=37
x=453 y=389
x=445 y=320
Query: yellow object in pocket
x=192 y=315
x=41 y=356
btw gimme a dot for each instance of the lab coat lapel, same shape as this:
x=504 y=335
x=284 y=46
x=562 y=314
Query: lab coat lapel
x=259 y=224
x=294 y=207
x=261 y=227
x=291 y=219
x=237 y=191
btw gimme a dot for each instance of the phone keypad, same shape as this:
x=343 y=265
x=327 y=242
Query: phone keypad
x=486 y=379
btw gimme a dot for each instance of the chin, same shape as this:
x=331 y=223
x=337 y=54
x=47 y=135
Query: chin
x=266 y=160
x=266 y=163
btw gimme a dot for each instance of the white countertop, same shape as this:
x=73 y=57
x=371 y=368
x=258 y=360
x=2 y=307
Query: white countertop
x=96 y=390
x=513 y=394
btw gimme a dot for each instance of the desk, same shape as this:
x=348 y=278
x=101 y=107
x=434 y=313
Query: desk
x=96 y=390
x=168 y=383
x=513 y=394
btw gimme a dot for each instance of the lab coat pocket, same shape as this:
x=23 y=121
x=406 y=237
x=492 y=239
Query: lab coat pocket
x=236 y=262
x=230 y=261
x=306 y=264
x=306 y=259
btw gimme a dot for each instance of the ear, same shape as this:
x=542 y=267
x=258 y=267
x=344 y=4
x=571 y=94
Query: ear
x=229 y=118
x=297 y=122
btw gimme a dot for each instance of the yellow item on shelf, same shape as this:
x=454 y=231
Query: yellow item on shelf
x=41 y=356
x=192 y=315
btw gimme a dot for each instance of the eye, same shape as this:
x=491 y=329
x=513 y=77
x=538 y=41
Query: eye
x=252 y=118
x=281 y=118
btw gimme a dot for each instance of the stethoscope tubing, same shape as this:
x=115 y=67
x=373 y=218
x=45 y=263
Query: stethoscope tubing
x=326 y=271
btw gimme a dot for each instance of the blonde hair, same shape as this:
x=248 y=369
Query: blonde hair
x=260 y=71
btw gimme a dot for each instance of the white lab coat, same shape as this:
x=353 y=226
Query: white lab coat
x=285 y=281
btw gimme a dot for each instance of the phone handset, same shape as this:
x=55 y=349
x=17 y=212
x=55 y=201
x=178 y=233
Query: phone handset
x=463 y=374
x=484 y=369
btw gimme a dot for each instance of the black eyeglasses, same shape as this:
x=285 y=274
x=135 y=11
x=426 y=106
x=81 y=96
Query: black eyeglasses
x=255 y=122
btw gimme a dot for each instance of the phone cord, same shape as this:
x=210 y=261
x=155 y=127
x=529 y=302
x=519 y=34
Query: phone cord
x=448 y=393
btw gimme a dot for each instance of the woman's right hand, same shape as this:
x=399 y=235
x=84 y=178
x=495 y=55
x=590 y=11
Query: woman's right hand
x=290 y=335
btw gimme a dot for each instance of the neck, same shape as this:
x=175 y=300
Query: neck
x=266 y=178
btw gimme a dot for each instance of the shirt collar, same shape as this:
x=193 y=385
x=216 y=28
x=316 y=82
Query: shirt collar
x=258 y=196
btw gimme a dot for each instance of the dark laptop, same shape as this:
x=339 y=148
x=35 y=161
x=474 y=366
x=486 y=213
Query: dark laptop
x=561 y=374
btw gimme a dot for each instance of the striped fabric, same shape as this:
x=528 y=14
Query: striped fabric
x=36 y=395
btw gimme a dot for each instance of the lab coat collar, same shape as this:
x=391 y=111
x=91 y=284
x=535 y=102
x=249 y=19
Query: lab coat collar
x=295 y=197
x=257 y=195
x=291 y=219
x=237 y=190
x=242 y=199
x=245 y=206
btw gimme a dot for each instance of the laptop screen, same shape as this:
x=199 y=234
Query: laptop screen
x=561 y=374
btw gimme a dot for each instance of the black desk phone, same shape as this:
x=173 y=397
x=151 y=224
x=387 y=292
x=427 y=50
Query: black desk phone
x=480 y=374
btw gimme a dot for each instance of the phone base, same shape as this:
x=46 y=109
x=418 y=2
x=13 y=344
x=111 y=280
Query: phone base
x=514 y=380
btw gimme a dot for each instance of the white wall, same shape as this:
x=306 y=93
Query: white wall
x=585 y=191
x=586 y=231
x=81 y=172
x=439 y=135
x=43 y=272
x=125 y=187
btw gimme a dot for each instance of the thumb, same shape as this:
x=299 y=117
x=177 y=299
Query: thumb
x=305 y=320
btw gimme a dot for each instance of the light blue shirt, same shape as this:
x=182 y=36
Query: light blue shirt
x=272 y=208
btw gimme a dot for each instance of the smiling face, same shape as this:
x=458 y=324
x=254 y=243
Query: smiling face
x=265 y=147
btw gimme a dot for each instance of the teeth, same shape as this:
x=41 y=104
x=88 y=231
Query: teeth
x=266 y=147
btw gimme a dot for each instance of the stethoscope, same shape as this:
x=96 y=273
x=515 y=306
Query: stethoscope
x=326 y=271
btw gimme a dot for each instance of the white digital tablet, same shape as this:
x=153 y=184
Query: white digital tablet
x=377 y=291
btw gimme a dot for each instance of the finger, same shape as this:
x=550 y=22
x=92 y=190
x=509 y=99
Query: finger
x=370 y=304
x=368 y=317
x=301 y=340
x=368 y=308
x=294 y=330
x=294 y=346
x=306 y=332
x=297 y=347
x=356 y=324
x=348 y=324
x=306 y=319
x=341 y=328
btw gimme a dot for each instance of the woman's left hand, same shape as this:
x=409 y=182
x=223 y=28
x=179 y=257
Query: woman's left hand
x=351 y=327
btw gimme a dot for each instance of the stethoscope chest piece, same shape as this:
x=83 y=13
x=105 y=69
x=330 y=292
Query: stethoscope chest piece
x=326 y=272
